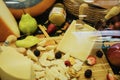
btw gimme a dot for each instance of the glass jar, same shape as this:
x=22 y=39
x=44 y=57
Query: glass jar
x=57 y=15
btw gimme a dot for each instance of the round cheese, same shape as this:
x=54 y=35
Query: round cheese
x=34 y=8
x=14 y=66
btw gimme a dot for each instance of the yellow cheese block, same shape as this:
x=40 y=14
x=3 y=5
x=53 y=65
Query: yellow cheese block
x=14 y=66
x=8 y=24
x=79 y=44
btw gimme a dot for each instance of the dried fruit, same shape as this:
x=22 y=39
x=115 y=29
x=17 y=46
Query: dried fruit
x=67 y=63
x=91 y=60
x=99 y=54
x=36 y=52
x=88 y=73
x=51 y=28
x=58 y=55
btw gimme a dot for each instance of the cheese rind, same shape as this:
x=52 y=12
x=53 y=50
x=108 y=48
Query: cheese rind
x=14 y=66
x=8 y=24
x=34 y=10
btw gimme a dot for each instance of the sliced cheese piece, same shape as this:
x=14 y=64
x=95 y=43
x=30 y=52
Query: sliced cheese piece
x=78 y=45
x=14 y=66
x=8 y=24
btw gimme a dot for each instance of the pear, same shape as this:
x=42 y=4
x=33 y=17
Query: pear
x=27 y=24
x=28 y=42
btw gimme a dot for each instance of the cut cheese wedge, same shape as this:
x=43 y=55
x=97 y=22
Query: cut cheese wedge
x=14 y=66
x=8 y=24
x=78 y=44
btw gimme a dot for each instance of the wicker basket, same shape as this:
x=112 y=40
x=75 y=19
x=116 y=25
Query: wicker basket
x=93 y=13
x=72 y=6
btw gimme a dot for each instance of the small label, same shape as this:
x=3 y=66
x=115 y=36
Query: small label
x=58 y=10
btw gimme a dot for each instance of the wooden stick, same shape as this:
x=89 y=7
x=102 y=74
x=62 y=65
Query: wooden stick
x=43 y=30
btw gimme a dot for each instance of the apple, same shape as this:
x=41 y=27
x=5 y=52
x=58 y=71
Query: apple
x=113 y=54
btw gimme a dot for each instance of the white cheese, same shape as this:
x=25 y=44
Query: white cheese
x=14 y=66
x=78 y=45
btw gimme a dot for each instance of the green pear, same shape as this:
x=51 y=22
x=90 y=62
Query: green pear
x=27 y=24
x=28 y=42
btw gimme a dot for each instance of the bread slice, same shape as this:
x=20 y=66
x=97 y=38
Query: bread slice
x=8 y=24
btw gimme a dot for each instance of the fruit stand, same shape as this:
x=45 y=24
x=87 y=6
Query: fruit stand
x=64 y=41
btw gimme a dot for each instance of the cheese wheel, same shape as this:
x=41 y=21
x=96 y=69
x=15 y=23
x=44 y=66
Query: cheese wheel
x=34 y=8
x=8 y=24
x=14 y=66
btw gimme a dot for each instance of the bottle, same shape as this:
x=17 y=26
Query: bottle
x=57 y=15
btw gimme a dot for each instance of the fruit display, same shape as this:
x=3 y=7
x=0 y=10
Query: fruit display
x=46 y=51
